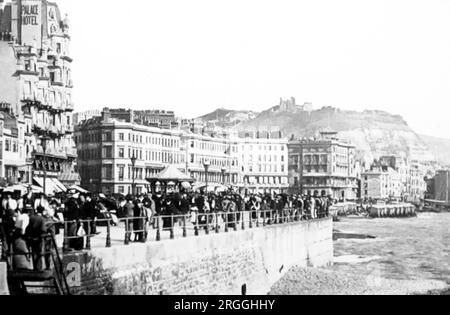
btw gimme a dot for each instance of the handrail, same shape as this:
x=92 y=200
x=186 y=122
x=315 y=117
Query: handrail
x=189 y=224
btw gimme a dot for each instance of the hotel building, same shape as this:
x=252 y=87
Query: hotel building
x=323 y=167
x=106 y=146
x=264 y=162
x=36 y=92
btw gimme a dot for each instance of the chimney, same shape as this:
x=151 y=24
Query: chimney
x=106 y=114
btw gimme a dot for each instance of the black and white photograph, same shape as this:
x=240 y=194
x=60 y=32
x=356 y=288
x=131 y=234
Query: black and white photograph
x=224 y=154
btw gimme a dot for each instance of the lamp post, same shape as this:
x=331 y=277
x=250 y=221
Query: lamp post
x=224 y=169
x=206 y=165
x=44 y=140
x=133 y=166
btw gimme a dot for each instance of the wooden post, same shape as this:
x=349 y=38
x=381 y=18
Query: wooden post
x=108 y=233
x=158 y=228
x=65 y=240
x=235 y=227
x=127 y=237
x=226 y=222
x=257 y=218
x=172 y=235
x=144 y=228
x=243 y=220
x=196 y=224
x=217 y=222
x=207 y=223
x=250 y=215
x=88 y=235
x=184 y=226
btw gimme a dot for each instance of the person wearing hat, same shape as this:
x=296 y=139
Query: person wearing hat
x=129 y=213
x=9 y=209
x=28 y=200
x=73 y=215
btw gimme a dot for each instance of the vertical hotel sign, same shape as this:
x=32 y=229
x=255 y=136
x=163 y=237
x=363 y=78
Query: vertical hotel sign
x=31 y=21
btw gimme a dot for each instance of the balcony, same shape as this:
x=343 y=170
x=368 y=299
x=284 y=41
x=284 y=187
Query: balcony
x=69 y=107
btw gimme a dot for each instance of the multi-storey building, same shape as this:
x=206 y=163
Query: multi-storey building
x=215 y=157
x=441 y=188
x=323 y=167
x=79 y=117
x=381 y=182
x=416 y=184
x=13 y=167
x=107 y=146
x=36 y=83
x=263 y=160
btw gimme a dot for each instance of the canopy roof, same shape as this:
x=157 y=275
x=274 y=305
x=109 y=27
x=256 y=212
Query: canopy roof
x=172 y=174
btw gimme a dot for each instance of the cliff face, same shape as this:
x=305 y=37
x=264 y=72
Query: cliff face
x=440 y=148
x=226 y=118
x=374 y=133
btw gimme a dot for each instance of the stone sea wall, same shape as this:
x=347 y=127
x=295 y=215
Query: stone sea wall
x=215 y=264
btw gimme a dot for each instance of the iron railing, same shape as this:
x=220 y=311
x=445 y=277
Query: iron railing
x=184 y=225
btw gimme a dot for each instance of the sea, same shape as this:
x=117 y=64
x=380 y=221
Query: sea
x=416 y=248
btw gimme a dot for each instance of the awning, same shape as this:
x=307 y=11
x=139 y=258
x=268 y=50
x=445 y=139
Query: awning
x=59 y=184
x=51 y=187
x=79 y=189
x=71 y=178
x=23 y=189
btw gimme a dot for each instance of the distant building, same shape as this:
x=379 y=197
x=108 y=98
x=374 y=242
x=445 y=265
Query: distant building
x=79 y=117
x=441 y=186
x=381 y=182
x=152 y=118
x=323 y=167
x=263 y=158
x=106 y=147
x=290 y=105
x=218 y=152
x=416 y=185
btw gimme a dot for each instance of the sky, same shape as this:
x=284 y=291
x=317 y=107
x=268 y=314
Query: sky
x=197 y=55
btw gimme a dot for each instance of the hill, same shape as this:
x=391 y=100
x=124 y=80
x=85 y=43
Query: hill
x=226 y=117
x=375 y=133
x=439 y=147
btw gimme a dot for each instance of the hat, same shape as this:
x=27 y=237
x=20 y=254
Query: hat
x=102 y=196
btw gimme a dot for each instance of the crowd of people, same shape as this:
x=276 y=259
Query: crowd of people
x=25 y=218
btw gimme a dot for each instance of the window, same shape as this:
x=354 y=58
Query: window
x=121 y=172
x=121 y=152
x=107 y=172
x=121 y=137
x=107 y=136
x=107 y=152
x=121 y=190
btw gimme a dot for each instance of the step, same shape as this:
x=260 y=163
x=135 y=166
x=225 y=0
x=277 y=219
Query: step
x=31 y=275
x=3 y=280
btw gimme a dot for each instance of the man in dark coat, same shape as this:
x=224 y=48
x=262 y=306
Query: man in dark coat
x=129 y=213
x=28 y=200
x=35 y=232
x=73 y=215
